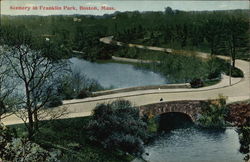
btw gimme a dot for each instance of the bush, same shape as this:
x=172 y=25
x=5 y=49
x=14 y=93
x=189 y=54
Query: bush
x=83 y=94
x=77 y=85
x=244 y=138
x=93 y=85
x=213 y=115
x=117 y=126
x=21 y=149
x=65 y=90
x=196 y=83
x=5 y=136
x=54 y=101
x=237 y=73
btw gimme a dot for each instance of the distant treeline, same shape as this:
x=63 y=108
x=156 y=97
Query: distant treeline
x=223 y=32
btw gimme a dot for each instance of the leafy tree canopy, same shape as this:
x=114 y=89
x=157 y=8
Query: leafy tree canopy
x=117 y=126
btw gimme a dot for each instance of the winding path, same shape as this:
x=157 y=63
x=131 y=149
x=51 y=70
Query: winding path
x=238 y=91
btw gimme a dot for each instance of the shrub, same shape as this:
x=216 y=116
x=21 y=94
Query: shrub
x=21 y=149
x=237 y=73
x=213 y=75
x=196 y=83
x=77 y=85
x=152 y=122
x=213 y=115
x=117 y=126
x=93 y=85
x=83 y=94
x=54 y=101
x=244 y=138
x=65 y=90
x=5 y=136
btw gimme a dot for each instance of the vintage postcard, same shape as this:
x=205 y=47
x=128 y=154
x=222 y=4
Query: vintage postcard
x=124 y=80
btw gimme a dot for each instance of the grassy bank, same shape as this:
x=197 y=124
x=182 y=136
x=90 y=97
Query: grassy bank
x=70 y=137
x=178 y=68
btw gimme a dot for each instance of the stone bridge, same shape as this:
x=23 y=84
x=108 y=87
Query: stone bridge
x=190 y=108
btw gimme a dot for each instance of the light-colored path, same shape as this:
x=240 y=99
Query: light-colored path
x=240 y=90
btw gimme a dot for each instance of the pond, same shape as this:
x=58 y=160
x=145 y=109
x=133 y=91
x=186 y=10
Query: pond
x=181 y=140
x=117 y=75
x=193 y=144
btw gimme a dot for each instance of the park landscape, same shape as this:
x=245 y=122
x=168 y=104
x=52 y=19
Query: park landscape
x=127 y=86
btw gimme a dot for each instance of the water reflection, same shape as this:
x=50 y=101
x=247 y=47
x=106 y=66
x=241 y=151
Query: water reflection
x=189 y=143
x=117 y=75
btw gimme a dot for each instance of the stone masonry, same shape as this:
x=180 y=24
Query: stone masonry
x=191 y=108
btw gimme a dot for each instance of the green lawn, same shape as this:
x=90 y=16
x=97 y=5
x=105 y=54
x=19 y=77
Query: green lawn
x=70 y=136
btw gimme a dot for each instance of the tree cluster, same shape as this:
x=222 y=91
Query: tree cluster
x=117 y=126
x=220 y=32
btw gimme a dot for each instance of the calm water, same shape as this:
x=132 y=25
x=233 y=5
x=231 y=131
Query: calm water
x=116 y=75
x=193 y=144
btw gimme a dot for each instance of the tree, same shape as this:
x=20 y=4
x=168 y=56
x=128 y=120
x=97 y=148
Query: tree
x=237 y=36
x=7 y=87
x=77 y=85
x=117 y=126
x=168 y=10
x=37 y=76
x=212 y=30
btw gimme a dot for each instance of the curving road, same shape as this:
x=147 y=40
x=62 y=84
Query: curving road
x=238 y=91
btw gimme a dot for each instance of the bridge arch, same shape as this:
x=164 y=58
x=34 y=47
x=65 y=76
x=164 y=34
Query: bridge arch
x=185 y=115
x=173 y=120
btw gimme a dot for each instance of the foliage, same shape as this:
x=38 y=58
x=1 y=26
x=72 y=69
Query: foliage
x=244 y=137
x=235 y=72
x=21 y=149
x=5 y=136
x=152 y=123
x=217 y=66
x=71 y=138
x=178 y=68
x=54 y=101
x=65 y=89
x=36 y=74
x=117 y=126
x=213 y=115
x=7 y=86
x=182 y=68
x=196 y=83
x=223 y=32
x=77 y=85
x=239 y=115
x=83 y=94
